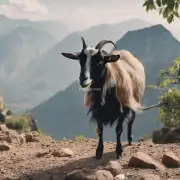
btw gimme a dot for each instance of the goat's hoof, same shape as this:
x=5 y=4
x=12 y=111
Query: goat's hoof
x=129 y=143
x=118 y=156
x=98 y=155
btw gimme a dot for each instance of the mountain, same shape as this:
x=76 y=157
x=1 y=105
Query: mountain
x=18 y=48
x=64 y=115
x=57 y=30
x=51 y=68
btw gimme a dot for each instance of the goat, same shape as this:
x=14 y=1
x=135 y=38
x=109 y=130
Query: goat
x=110 y=103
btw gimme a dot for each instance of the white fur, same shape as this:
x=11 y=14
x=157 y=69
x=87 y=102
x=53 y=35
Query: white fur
x=89 y=52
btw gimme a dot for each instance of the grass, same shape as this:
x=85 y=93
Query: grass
x=80 y=137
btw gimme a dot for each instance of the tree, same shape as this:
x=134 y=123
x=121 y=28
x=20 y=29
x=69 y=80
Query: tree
x=169 y=81
x=170 y=100
x=166 y=8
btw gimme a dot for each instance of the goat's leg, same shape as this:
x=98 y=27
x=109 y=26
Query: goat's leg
x=100 y=147
x=129 y=127
x=119 y=130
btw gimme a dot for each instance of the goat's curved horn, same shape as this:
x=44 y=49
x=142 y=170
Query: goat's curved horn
x=84 y=43
x=104 y=42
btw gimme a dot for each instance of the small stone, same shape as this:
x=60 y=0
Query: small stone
x=42 y=154
x=169 y=159
x=4 y=146
x=120 y=177
x=64 y=152
x=3 y=128
x=114 y=167
x=103 y=175
x=30 y=138
x=141 y=139
x=148 y=176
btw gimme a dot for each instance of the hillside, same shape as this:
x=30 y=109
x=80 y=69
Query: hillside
x=35 y=156
x=154 y=46
x=42 y=67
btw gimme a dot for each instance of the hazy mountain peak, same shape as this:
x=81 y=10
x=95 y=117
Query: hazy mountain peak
x=154 y=30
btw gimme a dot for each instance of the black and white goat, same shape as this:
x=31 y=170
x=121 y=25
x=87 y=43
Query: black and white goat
x=110 y=103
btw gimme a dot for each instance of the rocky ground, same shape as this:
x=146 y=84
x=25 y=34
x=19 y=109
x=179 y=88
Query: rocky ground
x=36 y=157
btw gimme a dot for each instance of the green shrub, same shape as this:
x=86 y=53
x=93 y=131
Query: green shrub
x=80 y=137
x=19 y=123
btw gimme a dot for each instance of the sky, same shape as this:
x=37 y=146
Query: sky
x=81 y=14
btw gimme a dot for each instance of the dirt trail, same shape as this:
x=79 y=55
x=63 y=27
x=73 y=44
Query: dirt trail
x=37 y=160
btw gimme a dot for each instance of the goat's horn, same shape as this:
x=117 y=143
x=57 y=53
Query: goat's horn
x=104 y=42
x=84 y=43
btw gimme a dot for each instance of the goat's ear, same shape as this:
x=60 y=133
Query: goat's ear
x=74 y=56
x=111 y=58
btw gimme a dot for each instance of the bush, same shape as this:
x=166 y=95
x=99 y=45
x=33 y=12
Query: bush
x=170 y=111
x=19 y=123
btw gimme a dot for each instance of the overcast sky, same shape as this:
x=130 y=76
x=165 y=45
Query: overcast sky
x=82 y=13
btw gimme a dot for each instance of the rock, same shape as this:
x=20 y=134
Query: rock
x=4 y=146
x=120 y=177
x=148 y=176
x=3 y=128
x=22 y=139
x=157 y=137
x=89 y=175
x=103 y=175
x=141 y=139
x=2 y=117
x=31 y=138
x=169 y=159
x=114 y=167
x=142 y=160
x=64 y=152
x=172 y=136
x=42 y=154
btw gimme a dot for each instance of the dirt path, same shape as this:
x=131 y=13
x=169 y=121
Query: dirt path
x=35 y=161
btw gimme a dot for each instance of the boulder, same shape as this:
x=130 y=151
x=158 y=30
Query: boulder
x=142 y=160
x=169 y=159
x=173 y=136
x=157 y=137
x=4 y=146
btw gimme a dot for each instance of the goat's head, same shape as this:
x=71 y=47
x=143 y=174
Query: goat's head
x=92 y=61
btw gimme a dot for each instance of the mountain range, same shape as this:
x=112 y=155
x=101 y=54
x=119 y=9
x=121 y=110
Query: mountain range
x=64 y=115
x=57 y=30
x=33 y=64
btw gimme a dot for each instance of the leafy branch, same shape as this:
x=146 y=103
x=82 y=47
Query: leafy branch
x=170 y=99
x=168 y=9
